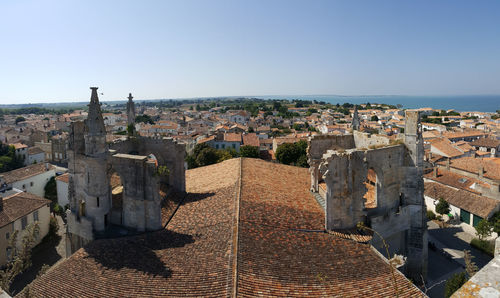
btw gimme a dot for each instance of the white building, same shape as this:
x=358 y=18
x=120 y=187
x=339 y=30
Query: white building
x=32 y=178
x=35 y=155
x=62 y=189
x=17 y=211
x=465 y=206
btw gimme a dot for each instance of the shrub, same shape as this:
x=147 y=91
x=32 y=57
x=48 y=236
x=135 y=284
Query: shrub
x=483 y=229
x=442 y=207
x=483 y=245
x=249 y=151
x=53 y=227
x=454 y=283
x=431 y=215
x=58 y=209
x=291 y=153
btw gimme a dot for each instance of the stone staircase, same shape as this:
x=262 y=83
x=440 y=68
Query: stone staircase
x=319 y=199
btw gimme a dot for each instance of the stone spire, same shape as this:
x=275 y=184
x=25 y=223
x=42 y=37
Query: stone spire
x=130 y=110
x=95 y=131
x=355 y=119
x=95 y=122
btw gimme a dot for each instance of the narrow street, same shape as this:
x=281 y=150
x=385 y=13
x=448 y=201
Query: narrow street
x=441 y=266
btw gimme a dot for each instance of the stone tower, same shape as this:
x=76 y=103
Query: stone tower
x=413 y=196
x=96 y=186
x=135 y=206
x=88 y=189
x=130 y=110
x=355 y=119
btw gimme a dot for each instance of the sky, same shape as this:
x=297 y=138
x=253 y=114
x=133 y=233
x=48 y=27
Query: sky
x=53 y=51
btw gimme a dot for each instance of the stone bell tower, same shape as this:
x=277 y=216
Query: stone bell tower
x=130 y=110
x=355 y=119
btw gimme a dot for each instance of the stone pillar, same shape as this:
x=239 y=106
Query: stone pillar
x=413 y=189
x=314 y=170
x=344 y=175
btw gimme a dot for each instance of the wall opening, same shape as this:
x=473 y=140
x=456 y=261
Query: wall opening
x=370 y=197
x=116 y=185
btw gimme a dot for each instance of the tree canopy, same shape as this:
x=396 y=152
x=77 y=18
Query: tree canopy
x=144 y=119
x=293 y=153
x=8 y=159
x=442 y=207
x=249 y=151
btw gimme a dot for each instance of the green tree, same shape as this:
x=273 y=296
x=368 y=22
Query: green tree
x=495 y=222
x=442 y=207
x=20 y=119
x=20 y=255
x=224 y=155
x=249 y=151
x=483 y=229
x=287 y=153
x=51 y=191
x=302 y=161
x=130 y=129
x=295 y=154
x=374 y=118
x=454 y=283
x=191 y=161
x=207 y=156
x=144 y=119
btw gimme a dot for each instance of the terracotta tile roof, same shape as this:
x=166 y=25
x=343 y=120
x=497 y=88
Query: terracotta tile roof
x=26 y=172
x=232 y=137
x=446 y=147
x=476 y=204
x=262 y=237
x=486 y=142
x=63 y=178
x=278 y=220
x=464 y=134
x=35 y=150
x=455 y=180
x=19 y=205
x=483 y=153
x=18 y=145
x=251 y=139
x=491 y=166
x=210 y=138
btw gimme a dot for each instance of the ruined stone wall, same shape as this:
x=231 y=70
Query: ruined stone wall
x=366 y=140
x=413 y=196
x=345 y=175
x=388 y=164
x=319 y=144
x=79 y=232
x=140 y=198
x=399 y=214
x=166 y=150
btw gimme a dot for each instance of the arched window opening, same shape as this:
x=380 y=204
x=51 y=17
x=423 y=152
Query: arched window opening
x=370 y=196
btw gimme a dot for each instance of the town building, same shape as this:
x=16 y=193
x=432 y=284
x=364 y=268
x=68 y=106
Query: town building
x=32 y=178
x=18 y=210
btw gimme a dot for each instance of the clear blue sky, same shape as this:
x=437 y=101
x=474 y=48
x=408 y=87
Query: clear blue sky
x=54 y=50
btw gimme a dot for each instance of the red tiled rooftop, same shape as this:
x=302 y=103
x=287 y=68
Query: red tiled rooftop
x=246 y=228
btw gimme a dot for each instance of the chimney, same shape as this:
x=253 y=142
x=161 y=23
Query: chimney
x=435 y=172
x=481 y=171
x=448 y=164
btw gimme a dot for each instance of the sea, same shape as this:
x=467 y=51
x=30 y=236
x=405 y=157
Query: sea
x=461 y=103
